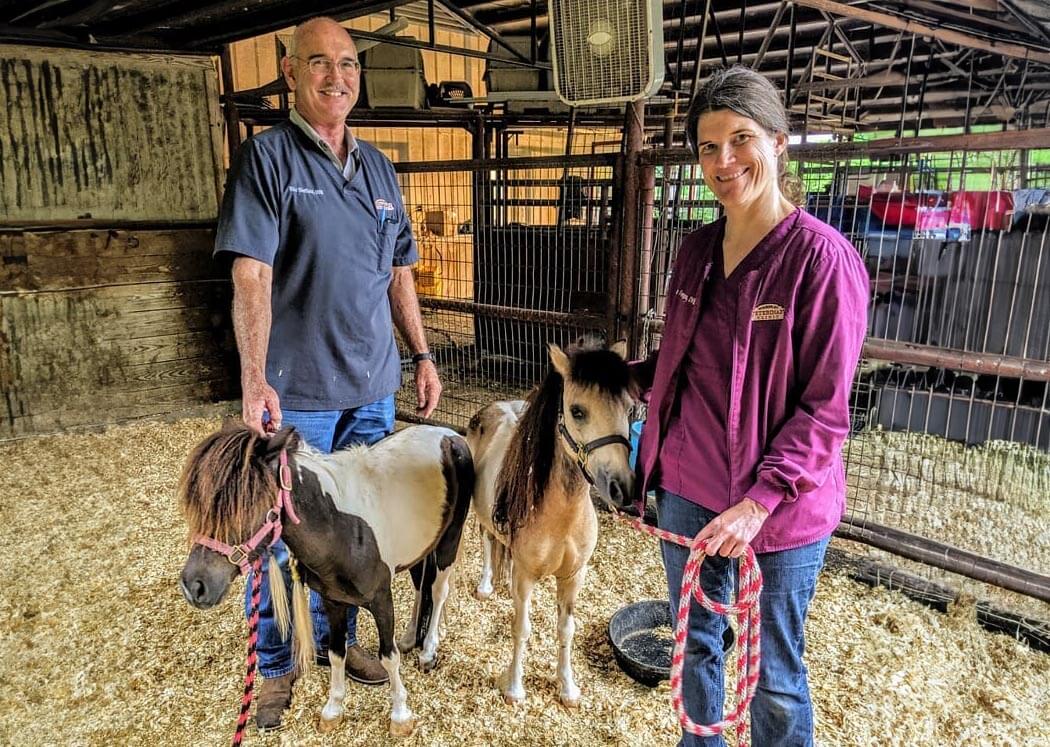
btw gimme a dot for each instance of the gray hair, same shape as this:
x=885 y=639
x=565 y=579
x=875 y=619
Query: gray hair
x=749 y=94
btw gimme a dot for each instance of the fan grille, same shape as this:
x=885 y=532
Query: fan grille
x=602 y=48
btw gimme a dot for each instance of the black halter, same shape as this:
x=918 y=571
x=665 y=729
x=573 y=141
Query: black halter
x=582 y=451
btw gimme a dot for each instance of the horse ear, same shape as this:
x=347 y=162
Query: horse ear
x=620 y=348
x=559 y=359
x=284 y=439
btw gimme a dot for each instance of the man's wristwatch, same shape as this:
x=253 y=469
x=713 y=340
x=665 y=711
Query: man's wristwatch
x=420 y=357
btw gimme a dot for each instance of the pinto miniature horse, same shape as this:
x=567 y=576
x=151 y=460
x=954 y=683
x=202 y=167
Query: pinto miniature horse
x=535 y=463
x=364 y=513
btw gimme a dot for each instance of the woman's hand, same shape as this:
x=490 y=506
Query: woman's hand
x=729 y=533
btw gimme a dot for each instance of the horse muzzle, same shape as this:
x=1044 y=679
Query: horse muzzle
x=617 y=490
x=206 y=578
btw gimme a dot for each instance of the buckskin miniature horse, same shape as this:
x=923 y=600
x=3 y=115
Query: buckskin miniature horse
x=364 y=513
x=535 y=462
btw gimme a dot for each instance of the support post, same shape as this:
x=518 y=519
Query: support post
x=626 y=274
x=229 y=109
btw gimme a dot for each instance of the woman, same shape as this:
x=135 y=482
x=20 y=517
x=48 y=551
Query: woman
x=749 y=401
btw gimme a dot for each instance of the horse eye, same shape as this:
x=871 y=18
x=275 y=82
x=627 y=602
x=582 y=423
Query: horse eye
x=578 y=412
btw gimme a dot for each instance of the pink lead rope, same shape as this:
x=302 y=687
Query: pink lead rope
x=746 y=611
x=253 y=639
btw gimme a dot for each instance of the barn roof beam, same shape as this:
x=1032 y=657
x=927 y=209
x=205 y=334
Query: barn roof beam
x=38 y=8
x=500 y=15
x=208 y=26
x=969 y=20
x=93 y=12
x=1024 y=20
x=404 y=42
x=277 y=16
x=471 y=20
x=953 y=37
x=79 y=38
x=776 y=71
x=990 y=6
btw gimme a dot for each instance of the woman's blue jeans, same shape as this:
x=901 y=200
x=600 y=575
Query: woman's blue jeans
x=324 y=430
x=781 y=712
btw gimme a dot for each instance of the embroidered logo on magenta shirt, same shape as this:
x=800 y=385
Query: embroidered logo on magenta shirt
x=767 y=312
x=686 y=297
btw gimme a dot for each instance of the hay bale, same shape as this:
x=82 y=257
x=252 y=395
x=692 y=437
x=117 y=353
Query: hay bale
x=100 y=648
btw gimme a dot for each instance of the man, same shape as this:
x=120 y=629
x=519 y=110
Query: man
x=322 y=249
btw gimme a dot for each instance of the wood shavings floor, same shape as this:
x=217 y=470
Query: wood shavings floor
x=99 y=647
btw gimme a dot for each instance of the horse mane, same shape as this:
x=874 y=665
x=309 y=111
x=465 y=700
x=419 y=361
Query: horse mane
x=224 y=493
x=530 y=457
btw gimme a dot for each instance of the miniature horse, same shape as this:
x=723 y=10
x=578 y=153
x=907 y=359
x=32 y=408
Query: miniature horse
x=363 y=514
x=535 y=462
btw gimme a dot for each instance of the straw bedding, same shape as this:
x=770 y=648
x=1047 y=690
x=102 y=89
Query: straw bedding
x=100 y=648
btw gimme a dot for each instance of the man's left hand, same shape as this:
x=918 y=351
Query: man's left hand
x=428 y=388
x=729 y=533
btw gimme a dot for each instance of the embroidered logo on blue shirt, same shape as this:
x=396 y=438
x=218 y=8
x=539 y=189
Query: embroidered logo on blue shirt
x=306 y=191
x=385 y=210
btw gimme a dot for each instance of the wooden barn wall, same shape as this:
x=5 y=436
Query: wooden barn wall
x=111 y=307
x=107 y=136
x=103 y=325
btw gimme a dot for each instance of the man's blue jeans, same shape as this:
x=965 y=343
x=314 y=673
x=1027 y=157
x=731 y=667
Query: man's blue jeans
x=781 y=712
x=325 y=430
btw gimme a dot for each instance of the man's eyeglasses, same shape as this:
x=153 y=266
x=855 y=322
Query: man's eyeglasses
x=325 y=66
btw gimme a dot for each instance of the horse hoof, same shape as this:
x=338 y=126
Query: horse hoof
x=325 y=725
x=513 y=700
x=402 y=728
x=481 y=596
x=570 y=701
x=430 y=665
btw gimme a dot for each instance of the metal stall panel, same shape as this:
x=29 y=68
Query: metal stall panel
x=947 y=462
x=514 y=254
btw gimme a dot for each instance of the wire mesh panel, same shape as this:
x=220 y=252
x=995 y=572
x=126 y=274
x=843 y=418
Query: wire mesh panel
x=950 y=436
x=514 y=254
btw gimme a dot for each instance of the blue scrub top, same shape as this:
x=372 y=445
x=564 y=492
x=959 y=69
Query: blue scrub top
x=331 y=243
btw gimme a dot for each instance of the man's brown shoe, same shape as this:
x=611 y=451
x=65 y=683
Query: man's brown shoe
x=275 y=696
x=362 y=667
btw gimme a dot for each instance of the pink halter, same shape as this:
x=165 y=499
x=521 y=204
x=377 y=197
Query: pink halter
x=238 y=554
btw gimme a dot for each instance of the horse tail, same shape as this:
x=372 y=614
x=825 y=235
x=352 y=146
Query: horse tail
x=304 y=627
x=303 y=640
x=278 y=597
x=501 y=561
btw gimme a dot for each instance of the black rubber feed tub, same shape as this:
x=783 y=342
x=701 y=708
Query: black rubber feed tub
x=642 y=638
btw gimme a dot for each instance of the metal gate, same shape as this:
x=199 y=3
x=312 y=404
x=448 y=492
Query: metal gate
x=514 y=253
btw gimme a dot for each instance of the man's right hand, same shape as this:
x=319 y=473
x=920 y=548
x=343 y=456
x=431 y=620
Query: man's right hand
x=258 y=397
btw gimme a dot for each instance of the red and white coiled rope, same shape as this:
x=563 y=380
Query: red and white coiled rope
x=745 y=609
